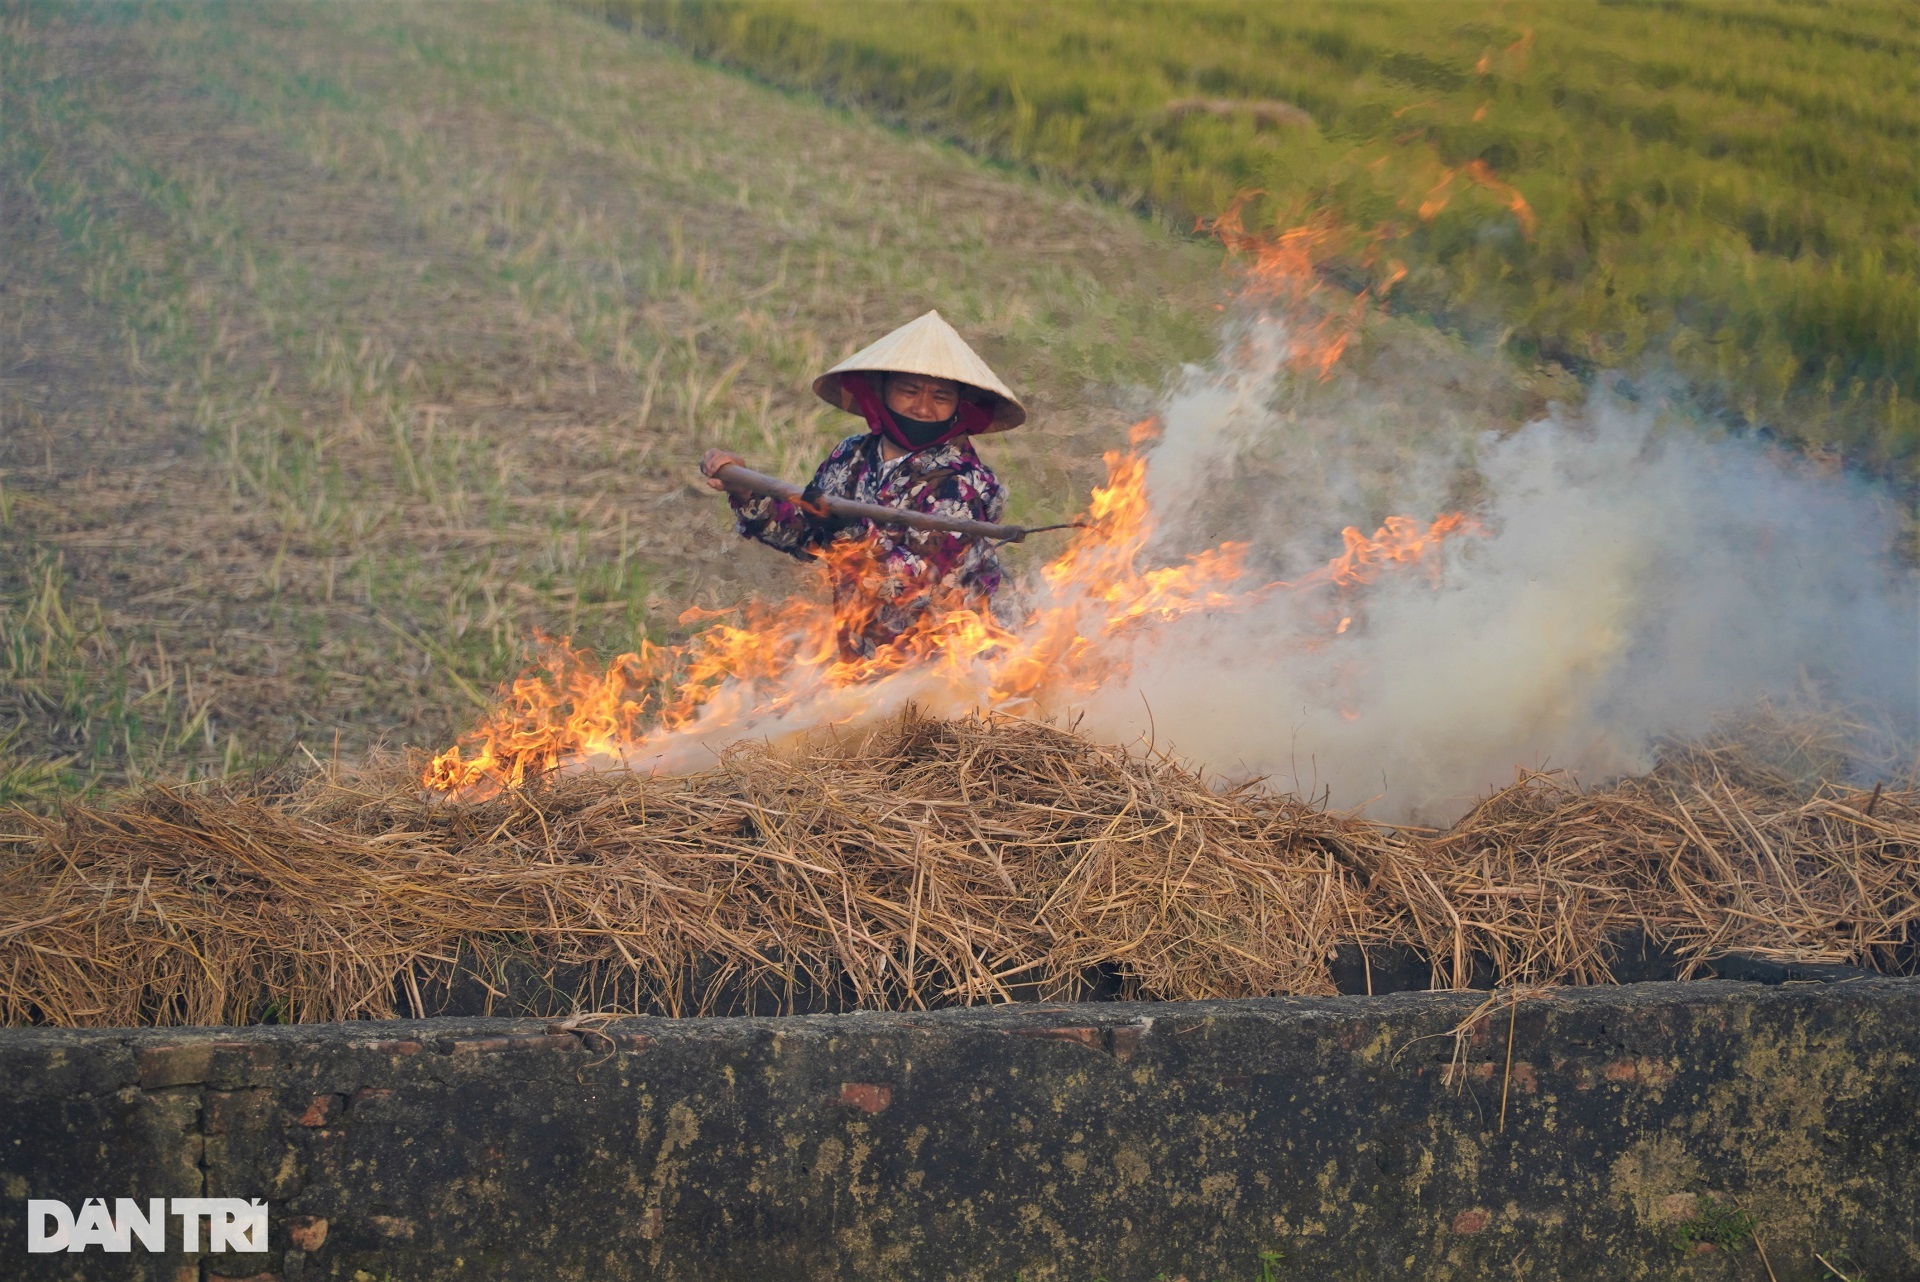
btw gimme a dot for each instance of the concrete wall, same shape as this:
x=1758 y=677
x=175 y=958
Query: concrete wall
x=1111 y=1140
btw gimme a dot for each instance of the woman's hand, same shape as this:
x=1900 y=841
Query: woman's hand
x=713 y=461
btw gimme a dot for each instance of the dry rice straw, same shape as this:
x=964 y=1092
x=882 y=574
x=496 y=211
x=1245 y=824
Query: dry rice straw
x=926 y=862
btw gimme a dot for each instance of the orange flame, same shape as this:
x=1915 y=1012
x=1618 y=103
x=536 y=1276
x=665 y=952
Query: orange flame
x=1516 y=52
x=1283 y=273
x=1401 y=541
x=749 y=668
x=776 y=658
x=1477 y=172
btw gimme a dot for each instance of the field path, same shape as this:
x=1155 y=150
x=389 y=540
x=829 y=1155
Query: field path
x=342 y=346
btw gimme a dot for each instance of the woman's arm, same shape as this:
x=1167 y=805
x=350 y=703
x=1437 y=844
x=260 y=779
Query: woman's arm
x=777 y=523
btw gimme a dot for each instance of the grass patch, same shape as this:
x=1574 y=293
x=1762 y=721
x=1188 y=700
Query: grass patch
x=81 y=704
x=1714 y=1223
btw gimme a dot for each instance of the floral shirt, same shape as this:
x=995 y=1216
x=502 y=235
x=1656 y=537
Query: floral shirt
x=904 y=570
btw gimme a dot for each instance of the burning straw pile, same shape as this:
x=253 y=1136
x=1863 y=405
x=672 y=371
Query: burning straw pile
x=927 y=862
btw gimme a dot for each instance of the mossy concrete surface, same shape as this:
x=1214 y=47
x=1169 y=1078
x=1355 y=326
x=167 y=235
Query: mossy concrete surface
x=1600 y=1133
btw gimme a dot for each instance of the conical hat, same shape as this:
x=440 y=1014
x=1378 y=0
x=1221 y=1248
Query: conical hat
x=927 y=346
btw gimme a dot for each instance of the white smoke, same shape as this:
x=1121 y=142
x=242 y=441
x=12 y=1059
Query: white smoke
x=1637 y=578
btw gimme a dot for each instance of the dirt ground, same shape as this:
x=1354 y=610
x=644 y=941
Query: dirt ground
x=344 y=346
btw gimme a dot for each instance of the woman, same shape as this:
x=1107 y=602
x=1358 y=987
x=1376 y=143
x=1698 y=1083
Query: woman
x=924 y=394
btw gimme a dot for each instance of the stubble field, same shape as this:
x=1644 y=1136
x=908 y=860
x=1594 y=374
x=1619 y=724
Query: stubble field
x=345 y=347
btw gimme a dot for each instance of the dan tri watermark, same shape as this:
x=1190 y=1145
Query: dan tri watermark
x=231 y=1223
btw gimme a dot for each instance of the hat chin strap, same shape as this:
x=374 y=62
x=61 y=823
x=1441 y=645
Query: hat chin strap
x=968 y=418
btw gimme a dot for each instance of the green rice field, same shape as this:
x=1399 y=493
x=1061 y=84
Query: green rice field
x=1726 y=191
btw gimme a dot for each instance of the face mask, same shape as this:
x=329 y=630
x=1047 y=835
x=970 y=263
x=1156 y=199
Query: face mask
x=921 y=432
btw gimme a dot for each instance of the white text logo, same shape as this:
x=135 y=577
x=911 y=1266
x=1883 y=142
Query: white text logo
x=233 y=1224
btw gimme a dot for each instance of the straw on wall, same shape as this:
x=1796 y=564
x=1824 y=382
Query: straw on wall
x=927 y=862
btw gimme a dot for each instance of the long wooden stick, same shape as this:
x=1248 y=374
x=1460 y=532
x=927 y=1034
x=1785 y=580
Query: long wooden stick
x=742 y=480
